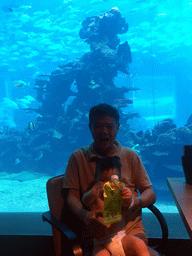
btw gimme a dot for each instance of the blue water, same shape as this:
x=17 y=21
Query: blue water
x=37 y=38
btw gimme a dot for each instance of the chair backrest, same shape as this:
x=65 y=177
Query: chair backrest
x=56 y=205
x=59 y=209
x=55 y=198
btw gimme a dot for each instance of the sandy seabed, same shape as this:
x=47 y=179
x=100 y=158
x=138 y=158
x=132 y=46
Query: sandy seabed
x=26 y=192
x=23 y=192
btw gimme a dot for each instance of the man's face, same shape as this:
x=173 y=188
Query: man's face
x=104 y=130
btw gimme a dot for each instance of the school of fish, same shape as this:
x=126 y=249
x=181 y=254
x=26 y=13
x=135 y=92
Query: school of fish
x=35 y=39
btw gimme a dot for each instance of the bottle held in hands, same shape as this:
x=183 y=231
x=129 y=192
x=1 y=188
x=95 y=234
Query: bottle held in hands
x=112 y=200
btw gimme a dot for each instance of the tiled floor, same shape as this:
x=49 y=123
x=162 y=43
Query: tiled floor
x=43 y=245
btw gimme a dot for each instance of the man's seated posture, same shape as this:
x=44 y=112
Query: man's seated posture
x=80 y=177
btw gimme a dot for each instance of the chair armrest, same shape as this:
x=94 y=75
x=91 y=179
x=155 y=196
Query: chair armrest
x=162 y=223
x=69 y=234
x=59 y=225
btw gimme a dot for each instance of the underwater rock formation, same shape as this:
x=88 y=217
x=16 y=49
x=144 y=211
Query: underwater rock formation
x=63 y=124
x=104 y=28
x=163 y=137
x=162 y=150
x=189 y=121
x=92 y=74
x=67 y=94
x=166 y=125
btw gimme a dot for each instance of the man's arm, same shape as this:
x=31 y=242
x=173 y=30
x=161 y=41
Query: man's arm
x=96 y=228
x=76 y=206
x=147 y=196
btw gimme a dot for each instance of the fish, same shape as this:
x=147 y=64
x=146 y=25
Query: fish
x=122 y=102
x=134 y=10
x=67 y=103
x=73 y=87
x=92 y=82
x=136 y=148
x=40 y=13
x=152 y=7
x=40 y=155
x=2 y=129
x=21 y=84
x=31 y=110
x=31 y=126
x=174 y=167
x=132 y=115
x=10 y=104
x=158 y=153
x=17 y=161
x=62 y=30
x=132 y=88
x=120 y=105
x=24 y=101
x=29 y=98
x=57 y=135
x=41 y=75
x=7 y=9
x=24 y=7
x=126 y=99
x=31 y=65
x=25 y=18
x=93 y=86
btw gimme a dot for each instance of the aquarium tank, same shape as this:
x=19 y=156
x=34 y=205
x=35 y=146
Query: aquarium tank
x=60 y=58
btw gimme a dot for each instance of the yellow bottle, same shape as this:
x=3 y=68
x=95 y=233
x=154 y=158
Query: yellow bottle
x=112 y=200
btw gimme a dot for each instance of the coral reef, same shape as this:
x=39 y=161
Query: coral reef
x=161 y=151
x=67 y=95
x=92 y=75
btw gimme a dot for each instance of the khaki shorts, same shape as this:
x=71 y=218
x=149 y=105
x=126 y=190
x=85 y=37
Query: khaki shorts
x=138 y=230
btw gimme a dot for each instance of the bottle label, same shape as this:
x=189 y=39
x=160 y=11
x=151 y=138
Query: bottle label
x=112 y=202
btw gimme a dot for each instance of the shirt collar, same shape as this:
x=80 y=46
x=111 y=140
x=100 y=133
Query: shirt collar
x=93 y=155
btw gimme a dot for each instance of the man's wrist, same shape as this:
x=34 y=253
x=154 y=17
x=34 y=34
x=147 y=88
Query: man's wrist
x=85 y=216
x=140 y=204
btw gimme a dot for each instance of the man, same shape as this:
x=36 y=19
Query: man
x=80 y=174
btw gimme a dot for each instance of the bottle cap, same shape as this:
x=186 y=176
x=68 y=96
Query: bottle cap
x=114 y=178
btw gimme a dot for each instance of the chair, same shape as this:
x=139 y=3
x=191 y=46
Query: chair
x=66 y=228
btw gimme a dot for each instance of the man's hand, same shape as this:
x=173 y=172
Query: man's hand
x=95 y=228
x=135 y=204
x=131 y=203
x=126 y=195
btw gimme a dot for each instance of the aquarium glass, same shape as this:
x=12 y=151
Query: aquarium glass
x=60 y=58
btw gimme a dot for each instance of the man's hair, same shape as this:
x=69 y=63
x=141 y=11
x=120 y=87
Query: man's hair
x=106 y=163
x=103 y=110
